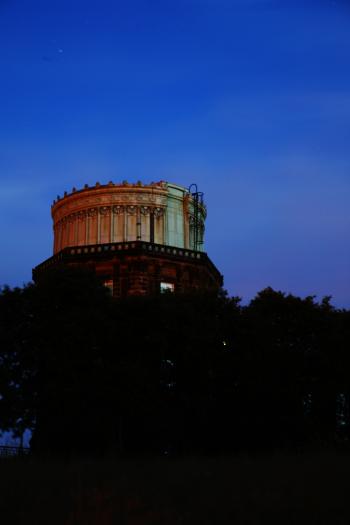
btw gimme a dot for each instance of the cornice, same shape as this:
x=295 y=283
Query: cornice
x=108 y=195
x=122 y=186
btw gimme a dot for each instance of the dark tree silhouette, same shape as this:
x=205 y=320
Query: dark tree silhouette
x=194 y=373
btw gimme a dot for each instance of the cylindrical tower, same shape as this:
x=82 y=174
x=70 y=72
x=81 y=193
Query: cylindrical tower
x=140 y=239
x=160 y=213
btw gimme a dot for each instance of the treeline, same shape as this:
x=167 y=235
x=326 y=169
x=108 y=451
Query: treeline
x=170 y=374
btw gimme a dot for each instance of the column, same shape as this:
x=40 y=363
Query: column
x=105 y=224
x=118 y=224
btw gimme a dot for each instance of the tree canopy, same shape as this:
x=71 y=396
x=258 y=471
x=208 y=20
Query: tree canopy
x=196 y=373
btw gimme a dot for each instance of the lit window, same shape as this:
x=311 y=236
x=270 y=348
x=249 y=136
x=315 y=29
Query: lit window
x=109 y=284
x=166 y=287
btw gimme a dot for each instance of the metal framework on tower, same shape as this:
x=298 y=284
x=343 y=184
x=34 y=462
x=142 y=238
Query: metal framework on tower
x=197 y=197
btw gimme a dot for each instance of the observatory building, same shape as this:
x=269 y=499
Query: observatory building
x=139 y=239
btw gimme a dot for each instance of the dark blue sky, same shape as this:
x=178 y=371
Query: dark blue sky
x=250 y=99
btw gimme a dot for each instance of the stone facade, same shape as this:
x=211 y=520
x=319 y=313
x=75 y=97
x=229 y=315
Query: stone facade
x=139 y=239
x=140 y=268
x=162 y=213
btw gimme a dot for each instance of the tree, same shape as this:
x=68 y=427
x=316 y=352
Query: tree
x=17 y=360
x=183 y=373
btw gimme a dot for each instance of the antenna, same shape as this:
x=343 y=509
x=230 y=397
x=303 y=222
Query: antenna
x=197 y=197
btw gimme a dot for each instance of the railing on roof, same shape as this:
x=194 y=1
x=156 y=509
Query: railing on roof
x=72 y=252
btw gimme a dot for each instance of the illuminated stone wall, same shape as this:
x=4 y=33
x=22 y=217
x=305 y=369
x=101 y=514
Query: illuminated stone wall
x=160 y=213
x=138 y=239
x=139 y=267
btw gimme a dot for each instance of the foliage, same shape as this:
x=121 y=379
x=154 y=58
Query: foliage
x=194 y=373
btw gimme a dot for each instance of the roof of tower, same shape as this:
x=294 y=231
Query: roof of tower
x=124 y=184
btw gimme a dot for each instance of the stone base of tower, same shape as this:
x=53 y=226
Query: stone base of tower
x=140 y=268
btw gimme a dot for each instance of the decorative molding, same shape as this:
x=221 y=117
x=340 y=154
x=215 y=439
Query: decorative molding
x=92 y=212
x=118 y=210
x=131 y=210
x=81 y=215
x=105 y=210
x=158 y=212
x=127 y=196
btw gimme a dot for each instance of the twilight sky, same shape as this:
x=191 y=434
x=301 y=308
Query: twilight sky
x=250 y=99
